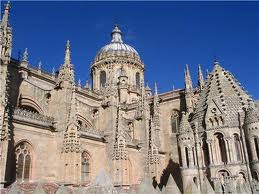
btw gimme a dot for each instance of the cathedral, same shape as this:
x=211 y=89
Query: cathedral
x=114 y=134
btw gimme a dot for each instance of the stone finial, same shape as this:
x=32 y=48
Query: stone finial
x=67 y=53
x=25 y=62
x=187 y=79
x=116 y=34
x=5 y=18
x=39 y=66
x=25 y=56
x=79 y=83
x=53 y=72
x=87 y=85
x=200 y=78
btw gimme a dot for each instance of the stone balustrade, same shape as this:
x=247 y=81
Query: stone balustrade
x=27 y=116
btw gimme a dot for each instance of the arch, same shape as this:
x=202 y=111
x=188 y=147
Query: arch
x=23 y=155
x=175 y=120
x=83 y=122
x=85 y=166
x=29 y=103
x=220 y=143
x=103 y=79
x=137 y=79
x=237 y=147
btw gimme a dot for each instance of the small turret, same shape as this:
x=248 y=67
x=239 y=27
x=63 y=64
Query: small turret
x=187 y=145
x=251 y=126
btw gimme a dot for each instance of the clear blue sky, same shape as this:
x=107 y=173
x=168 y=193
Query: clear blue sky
x=167 y=36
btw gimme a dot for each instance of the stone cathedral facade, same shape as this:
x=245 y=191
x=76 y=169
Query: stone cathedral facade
x=117 y=135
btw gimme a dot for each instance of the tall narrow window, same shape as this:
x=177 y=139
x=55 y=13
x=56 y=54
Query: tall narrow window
x=23 y=158
x=102 y=78
x=256 y=147
x=205 y=149
x=175 y=121
x=237 y=147
x=138 y=79
x=187 y=156
x=85 y=167
x=222 y=147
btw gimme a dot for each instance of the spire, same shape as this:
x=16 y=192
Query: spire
x=5 y=18
x=116 y=34
x=187 y=79
x=155 y=92
x=66 y=72
x=6 y=36
x=184 y=124
x=200 y=78
x=67 y=53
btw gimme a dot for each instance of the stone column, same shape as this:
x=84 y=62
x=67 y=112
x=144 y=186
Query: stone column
x=228 y=144
x=209 y=142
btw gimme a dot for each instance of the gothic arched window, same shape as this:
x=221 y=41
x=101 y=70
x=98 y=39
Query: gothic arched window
x=102 y=78
x=23 y=153
x=222 y=147
x=237 y=147
x=138 y=79
x=85 y=167
x=175 y=121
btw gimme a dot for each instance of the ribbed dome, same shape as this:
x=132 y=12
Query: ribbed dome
x=117 y=47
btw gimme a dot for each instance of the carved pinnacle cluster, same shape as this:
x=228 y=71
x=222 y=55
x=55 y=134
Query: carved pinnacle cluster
x=66 y=72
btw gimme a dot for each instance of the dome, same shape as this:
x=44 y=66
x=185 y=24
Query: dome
x=117 y=47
